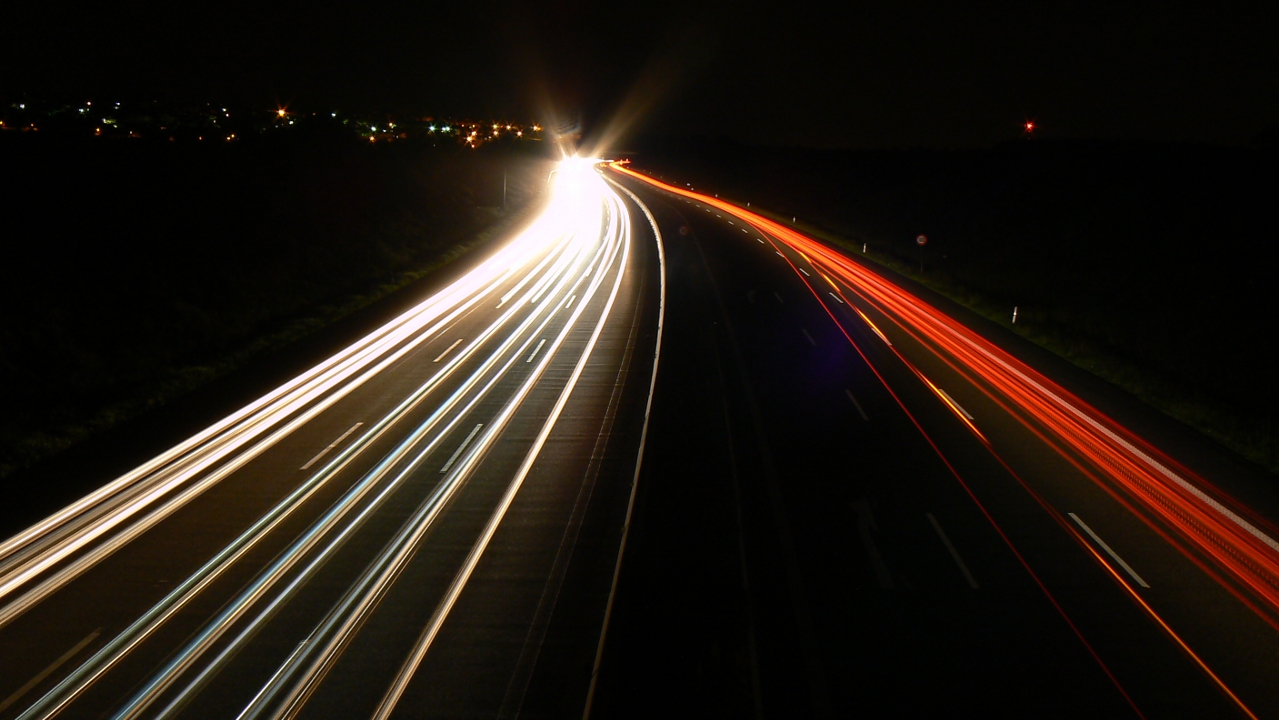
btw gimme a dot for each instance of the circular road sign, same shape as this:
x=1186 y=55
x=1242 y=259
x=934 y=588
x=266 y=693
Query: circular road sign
x=921 y=240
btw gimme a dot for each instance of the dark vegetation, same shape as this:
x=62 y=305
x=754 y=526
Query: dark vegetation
x=136 y=270
x=1147 y=264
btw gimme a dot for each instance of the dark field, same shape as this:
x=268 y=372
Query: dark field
x=135 y=271
x=1147 y=264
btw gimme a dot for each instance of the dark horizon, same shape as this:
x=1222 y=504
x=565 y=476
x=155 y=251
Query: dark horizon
x=899 y=76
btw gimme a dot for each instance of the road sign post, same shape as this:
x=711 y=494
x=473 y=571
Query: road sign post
x=921 y=241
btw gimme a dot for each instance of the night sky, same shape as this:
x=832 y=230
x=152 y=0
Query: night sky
x=891 y=74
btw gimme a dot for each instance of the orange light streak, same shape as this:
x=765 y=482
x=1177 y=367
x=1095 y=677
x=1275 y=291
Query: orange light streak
x=1168 y=629
x=1238 y=542
x=945 y=461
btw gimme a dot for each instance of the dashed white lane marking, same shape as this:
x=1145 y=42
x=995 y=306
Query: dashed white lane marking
x=780 y=301
x=856 y=404
x=460 y=448
x=569 y=304
x=805 y=272
x=447 y=350
x=838 y=299
x=951 y=400
x=963 y=568
x=332 y=445
x=533 y=354
x=49 y=670
x=811 y=341
x=1131 y=573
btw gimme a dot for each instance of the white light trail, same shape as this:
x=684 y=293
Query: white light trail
x=570 y=249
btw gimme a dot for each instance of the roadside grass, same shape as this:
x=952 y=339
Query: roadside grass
x=114 y=317
x=1137 y=263
x=1173 y=399
x=22 y=450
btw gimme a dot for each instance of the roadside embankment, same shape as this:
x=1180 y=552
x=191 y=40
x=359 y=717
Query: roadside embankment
x=138 y=271
x=1141 y=263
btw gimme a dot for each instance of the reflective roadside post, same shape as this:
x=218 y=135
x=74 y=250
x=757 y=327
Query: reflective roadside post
x=921 y=241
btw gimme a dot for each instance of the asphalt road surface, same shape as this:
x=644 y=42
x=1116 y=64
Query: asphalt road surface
x=659 y=456
x=426 y=524
x=837 y=517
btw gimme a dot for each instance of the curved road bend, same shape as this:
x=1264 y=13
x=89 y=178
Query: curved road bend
x=424 y=525
x=837 y=516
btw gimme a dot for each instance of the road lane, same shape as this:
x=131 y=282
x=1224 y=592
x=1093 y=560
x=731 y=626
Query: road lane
x=1025 y=488
x=238 y=571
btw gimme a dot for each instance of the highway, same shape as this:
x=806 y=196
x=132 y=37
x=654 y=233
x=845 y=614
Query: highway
x=424 y=524
x=895 y=514
x=660 y=455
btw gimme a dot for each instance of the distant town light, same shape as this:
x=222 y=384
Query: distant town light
x=280 y=112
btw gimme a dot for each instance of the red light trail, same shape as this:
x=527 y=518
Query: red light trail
x=1204 y=522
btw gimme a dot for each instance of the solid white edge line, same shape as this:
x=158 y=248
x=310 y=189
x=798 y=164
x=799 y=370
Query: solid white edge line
x=139 y=703
x=339 y=463
x=1132 y=573
x=639 y=459
x=393 y=694
x=332 y=445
